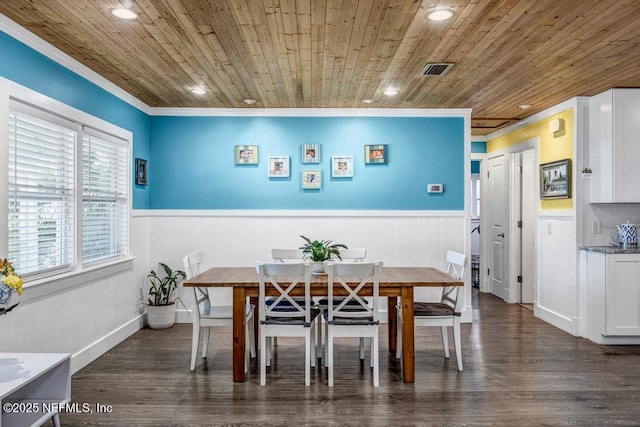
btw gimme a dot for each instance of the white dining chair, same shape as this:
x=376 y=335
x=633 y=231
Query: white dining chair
x=347 y=255
x=284 y=316
x=204 y=314
x=444 y=314
x=287 y=255
x=351 y=316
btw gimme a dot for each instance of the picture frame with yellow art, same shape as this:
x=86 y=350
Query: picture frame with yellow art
x=311 y=179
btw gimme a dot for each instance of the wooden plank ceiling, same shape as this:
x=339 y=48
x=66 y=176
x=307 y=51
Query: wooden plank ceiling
x=336 y=53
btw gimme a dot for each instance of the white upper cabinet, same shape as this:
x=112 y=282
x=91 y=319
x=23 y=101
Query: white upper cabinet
x=614 y=146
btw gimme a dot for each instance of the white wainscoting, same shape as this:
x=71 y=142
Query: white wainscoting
x=558 y=291
x=85 y=320
x=239 y=238
x=91 y=317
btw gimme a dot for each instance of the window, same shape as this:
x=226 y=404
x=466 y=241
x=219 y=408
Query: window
x=105 y=211
x=68 y=197
x=475 y=195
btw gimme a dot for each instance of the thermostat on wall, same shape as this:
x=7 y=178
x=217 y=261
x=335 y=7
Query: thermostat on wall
x=435 y=188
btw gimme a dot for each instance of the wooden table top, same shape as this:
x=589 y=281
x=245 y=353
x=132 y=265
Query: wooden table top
x=232 y=277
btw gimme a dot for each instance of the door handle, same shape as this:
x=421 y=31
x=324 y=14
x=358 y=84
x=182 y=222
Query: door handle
x=500 y=234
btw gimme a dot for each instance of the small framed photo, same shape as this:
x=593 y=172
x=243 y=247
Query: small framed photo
x=555 y=180
x=311 y=179
x=375 y=154
x=141 y=172
x=342 y=167
x=278 y=166
x=310 y=153
x=246 y=154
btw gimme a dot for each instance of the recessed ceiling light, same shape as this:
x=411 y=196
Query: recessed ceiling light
x=198 y=91
x=249 y=101
x=390 y=92
x=124 y=13
x=524 y=106
x=439 y=15
x=368 y=101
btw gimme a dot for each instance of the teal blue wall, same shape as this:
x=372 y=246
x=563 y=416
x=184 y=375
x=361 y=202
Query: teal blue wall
x=478 y=147
x=191 y=159
x=29 y=68
x=192 y=163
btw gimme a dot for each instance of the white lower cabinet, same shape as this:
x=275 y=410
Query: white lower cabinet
x=613 y=298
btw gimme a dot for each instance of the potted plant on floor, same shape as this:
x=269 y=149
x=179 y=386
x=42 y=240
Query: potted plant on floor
x=161 y=309
x=319 y=251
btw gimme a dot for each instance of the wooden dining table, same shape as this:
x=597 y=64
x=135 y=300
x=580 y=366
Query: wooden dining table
x=394 y=282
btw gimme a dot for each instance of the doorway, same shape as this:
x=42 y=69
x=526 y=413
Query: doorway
x=509 y=244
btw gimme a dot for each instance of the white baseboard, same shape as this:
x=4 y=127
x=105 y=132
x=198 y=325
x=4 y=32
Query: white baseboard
x=562 y=322
x=99 y=347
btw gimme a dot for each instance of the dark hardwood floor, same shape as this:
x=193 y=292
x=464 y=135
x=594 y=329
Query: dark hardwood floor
x=518 y=371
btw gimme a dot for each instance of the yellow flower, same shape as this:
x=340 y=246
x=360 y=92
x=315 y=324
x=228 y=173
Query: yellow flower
x=14 y=282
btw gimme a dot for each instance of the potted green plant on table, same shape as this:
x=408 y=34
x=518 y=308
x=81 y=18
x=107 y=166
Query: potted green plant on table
x=319 y=251
x=161 y=308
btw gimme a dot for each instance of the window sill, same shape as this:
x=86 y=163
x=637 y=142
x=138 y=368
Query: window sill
x=46 y=286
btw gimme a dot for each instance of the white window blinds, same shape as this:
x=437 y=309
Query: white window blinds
x=41 y=190
x=105 y=201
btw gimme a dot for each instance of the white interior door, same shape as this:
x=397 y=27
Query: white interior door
x=498 y=189
x=528 y=253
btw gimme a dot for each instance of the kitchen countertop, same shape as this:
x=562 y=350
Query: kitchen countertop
x=611 y=249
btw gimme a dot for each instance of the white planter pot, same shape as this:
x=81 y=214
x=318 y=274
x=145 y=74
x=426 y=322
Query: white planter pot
x=317 y=268
x=161 y=316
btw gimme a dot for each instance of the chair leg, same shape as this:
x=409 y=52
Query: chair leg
x=445 y=340
x=326 y=344
x=376 y=370
x=205 y=341
x=457 y=342
x=361 y=347
x=250 y=333
x=269 y=344
x=399 y=336
x=312 y=334
x=319 y=336
x=194 y=345
x=263 y=358
x=329 y=345
x=371 y=362
x=247 y=352
x=307 y=357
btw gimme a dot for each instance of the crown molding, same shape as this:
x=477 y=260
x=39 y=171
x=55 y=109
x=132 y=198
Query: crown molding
x=313 y=112
x=558 y=108
x=39 y=45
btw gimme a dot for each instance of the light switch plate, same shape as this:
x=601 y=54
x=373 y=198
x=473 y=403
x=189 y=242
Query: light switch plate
x=435 y=188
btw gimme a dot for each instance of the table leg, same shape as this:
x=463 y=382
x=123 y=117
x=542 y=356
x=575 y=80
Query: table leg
x=239 y=302
x=408 y=349
x=393 y=321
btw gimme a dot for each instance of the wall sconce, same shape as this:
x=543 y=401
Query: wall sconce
x=556 y=125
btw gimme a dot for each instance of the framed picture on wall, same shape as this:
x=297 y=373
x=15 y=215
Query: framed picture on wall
x=278 y=166
x=341 y=167
x=310 y=153
x=375 y=154
x=311 y=179
x=141 y=172
x=246 y=154
x=555 y=180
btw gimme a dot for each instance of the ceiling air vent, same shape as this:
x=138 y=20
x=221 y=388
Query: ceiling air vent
x=436 y=69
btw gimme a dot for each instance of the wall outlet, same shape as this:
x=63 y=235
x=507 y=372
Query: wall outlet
x=596 y=227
